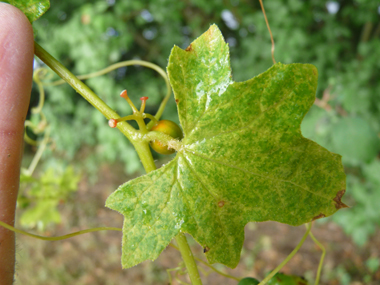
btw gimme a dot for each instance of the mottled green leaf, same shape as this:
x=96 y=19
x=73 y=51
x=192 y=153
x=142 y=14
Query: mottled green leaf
x=33 y=9
x=242 y=159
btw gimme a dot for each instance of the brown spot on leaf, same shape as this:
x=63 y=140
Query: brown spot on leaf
x=338 y=203
x=189 y=48
x=176 y=101
x=319 y=216
x=206 y=249
x=220 y=204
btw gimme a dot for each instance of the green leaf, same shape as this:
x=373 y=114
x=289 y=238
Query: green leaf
x=242 y=159
x=283 y=279
x=248 y=281
x=40 y=197
x=42 y=214
x=33 y=9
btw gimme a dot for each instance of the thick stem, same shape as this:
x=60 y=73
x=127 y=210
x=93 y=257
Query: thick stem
x=188 y=258
x=145 y=155
x=82 y=89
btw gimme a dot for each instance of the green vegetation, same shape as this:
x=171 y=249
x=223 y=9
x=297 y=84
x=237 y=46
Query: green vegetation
x=342 y=39
x=283 y=279
x=248 y=281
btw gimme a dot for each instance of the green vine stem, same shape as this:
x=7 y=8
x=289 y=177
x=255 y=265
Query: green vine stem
x=188 y=258
x=36 y=78
x=13 y=229
x=26 y=137
x=83 y=90
x=38 y=155
x=179 y=271
x=210 y=266
x=282 y=264
x=145 y=155
x=321 y=260
x=150 y=65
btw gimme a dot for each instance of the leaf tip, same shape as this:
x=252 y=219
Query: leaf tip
x=210 y=32
x=338 y=203
x=189 y=48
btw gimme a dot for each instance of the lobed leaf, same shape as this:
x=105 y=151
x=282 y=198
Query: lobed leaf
x=243 y=158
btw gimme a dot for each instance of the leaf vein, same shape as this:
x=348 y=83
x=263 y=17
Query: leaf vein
x=230 y=102
x=256 y=174
x=225 y=230
x=159 y=215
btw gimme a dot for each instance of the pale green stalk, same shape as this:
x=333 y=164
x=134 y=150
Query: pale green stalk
x=13 y=229
x=38 y=155
x=128 y=63
x=210 y=266
x=83 y=90
x=321 y=260
x=282 y=264
x=143 y=150
x=188 y=258
x=41 y=90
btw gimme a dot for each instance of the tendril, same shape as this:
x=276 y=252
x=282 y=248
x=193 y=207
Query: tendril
x=322 y=257
x=282 y=264
x=13 y=229
x=112 y=67
x=270 y=32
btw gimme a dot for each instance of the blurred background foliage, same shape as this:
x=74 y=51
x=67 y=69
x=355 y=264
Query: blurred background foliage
x=341 y=38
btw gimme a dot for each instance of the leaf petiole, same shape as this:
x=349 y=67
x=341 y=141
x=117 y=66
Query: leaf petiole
x=210 y=266
x=188 y=258
x=164 y=139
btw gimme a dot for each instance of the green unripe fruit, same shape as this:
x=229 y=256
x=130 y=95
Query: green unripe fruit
x=248 y=281
x=167 y=127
